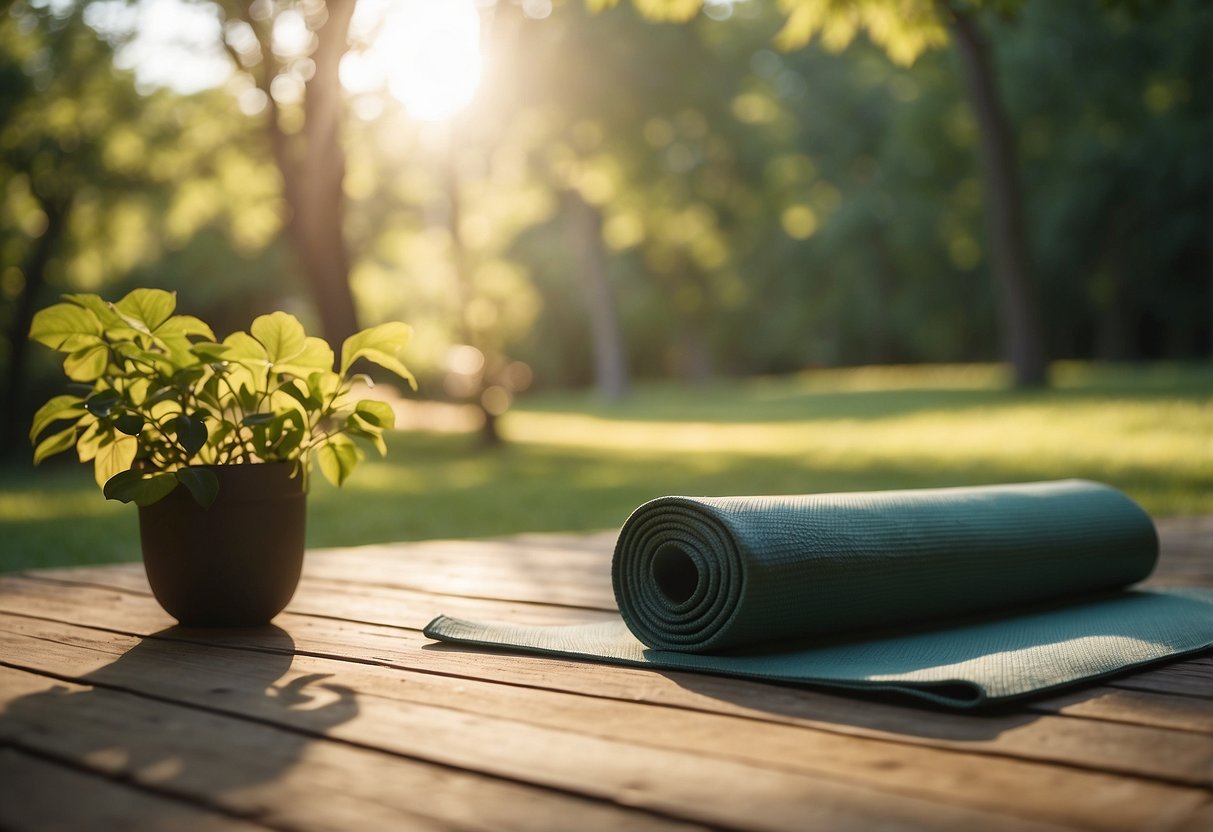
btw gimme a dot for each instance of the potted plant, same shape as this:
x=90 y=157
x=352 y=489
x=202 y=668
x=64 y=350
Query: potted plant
x=213 y=440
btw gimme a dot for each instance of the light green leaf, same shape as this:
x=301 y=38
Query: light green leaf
x=87 y=364
x=245 y=348
x=65 y=327
x=55 y=443
x=315 y=355
x=138 y=488
x=180 y=326
x=376 y=412
x=60 y=407
x=203 y=484
x=357 y=425
x=380 y=345
x=132 y=351
x=147 y=307
x=209 y=351
x=298 y=391
x=276 y=438
x=337 y=459
x=323 y=385
x=90 y=440
x=98 y=306
x=114 y=457
x=281 y=335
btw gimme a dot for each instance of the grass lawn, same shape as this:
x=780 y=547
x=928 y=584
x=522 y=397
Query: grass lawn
x=573 y=464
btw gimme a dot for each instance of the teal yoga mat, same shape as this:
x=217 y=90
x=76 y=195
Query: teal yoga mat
x=964 y=596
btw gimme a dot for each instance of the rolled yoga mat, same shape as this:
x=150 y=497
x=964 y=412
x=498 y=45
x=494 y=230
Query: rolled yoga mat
x=964 y=596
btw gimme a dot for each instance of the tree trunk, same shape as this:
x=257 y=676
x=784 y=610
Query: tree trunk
x=1018 y=308
x=11 y=414
x=312 y=165
x=610 y=361
x=318 y=213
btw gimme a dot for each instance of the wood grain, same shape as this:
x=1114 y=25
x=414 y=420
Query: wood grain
x=345 y=716
x=426 y=716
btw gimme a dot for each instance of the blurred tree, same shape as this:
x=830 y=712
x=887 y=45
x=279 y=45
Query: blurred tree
x=905 y=28
x=60 y=104
x=297 y=72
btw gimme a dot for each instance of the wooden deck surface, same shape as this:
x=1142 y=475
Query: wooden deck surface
x=343 y=716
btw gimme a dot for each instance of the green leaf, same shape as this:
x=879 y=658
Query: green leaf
x=376 y=412
x=209 y=351
x=245 y=348
x=148 y=307
x=258 y=419
x=356 y=425
x=160 y=394
x=281 y=335
x=55 y=443
x=246 y=397
x=129 y=423
x=188 y=375
x=380 y=345
x=283 y=434
x=315 y=355
x=98 y=306
x=114 y=454
x=337 y=459
x=203 y=484
x=190 y=432
x=322 y=385
x=59 y=407
x=138 y=488
x=181 y=326
x=90 y=440
x=66 y=327
x=87 y=364
x=295 y=391
x=102 y=402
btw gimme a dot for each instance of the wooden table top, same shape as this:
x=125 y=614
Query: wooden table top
x=344 y=716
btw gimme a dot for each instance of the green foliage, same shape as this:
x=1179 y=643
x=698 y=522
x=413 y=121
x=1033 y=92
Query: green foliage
x=159 y=396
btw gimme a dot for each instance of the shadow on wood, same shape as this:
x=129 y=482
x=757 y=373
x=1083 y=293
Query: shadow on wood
x=163 y=745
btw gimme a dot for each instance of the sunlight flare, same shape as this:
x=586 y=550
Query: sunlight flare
x=427 y=52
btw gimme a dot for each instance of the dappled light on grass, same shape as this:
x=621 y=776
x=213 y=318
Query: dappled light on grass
x=571 y=464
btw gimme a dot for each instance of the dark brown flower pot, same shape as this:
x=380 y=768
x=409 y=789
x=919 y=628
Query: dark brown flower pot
x=235 y=564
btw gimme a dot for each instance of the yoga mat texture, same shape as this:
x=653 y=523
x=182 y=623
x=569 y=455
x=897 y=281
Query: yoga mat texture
x=965 y=596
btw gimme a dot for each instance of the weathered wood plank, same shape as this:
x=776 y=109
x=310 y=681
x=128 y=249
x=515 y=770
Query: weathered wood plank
x=396 y=711
x=40 y=796
x=400 y=608
x=1124 y=704
x=1200 y=820
x=1125 y=748
x=721 y=794
x=278 y=776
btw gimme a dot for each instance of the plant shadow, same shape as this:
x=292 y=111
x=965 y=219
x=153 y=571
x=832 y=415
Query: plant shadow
x=183 y=718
